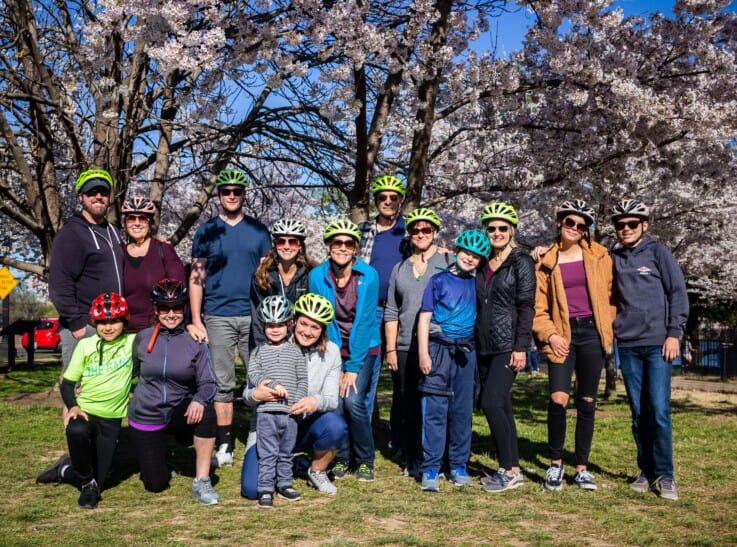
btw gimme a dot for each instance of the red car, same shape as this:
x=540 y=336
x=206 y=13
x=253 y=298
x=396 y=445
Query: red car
x=45 y=336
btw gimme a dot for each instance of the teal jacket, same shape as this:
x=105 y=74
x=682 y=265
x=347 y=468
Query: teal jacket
x=365 y=332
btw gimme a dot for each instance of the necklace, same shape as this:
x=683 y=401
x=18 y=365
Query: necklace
x=419 y=271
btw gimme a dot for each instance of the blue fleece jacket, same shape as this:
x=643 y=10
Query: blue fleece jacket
x=365 y=332
x=650 y=294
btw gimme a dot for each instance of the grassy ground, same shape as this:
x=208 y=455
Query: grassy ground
x=392 y=510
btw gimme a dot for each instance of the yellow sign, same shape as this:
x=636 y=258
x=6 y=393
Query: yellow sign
x=7 y=282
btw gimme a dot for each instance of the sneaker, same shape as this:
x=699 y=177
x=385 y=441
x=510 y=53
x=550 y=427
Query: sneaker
x=554 y=477
x=90 y=495
x=224 y=456
x=203 y=491
x=320 y=480
x=365 y=473
x=666 y=488
x=641 y=484
x=500 y=481
x=266 y=500
x=459 y=476
x=52 y=475
x=584 y=480
x=430 y=482
x=340 y=470
x=288 y=493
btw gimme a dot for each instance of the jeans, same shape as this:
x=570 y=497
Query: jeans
x=371 y=393
x=358 y=445
x=647 y=378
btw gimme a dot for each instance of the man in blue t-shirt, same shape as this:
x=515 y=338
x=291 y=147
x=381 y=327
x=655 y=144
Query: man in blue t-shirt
x=226 y=251
x=383 y=245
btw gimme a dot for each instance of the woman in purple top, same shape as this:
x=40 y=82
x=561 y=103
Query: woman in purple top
x=146 y=261
x=573 y=326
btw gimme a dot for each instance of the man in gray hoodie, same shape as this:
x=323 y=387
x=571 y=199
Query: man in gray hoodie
x=652 y=307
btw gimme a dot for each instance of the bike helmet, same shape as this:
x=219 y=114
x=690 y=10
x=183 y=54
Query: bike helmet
x=342 y=226
x=316 y=307
x=109 y=306
x=274 y=309
x=428 y=215
x=170 y=292
x=289 y=227
x=388 y=182
x=138 y=204
x=475 y=242
x=231 y=176
x=576 y=207
x=499 y=211
x=100 y=177
x=630 y=208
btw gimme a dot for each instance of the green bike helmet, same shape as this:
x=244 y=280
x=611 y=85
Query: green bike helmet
x=97 y=176
x=342 y=226
x=499 y=211
x=315 y=307
x=428 y=215
x=388 y=182
x=231 y=176
x=475 y=242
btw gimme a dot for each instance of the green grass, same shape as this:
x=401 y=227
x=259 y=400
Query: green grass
x=392 y=510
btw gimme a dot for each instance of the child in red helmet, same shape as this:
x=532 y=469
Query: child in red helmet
x=102 y=365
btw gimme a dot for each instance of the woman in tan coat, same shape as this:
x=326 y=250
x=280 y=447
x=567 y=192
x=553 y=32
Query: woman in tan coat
x=573 y=326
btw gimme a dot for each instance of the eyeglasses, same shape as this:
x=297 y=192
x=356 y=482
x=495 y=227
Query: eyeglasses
x=336 y=244
x=391 y=197
x=237 y=192
x=137 y=218
x=292 y=242
x=104 y=192
x=570 y=223
x=417 y=231
x=503 y=229
x=166 y=310
x=631 y=224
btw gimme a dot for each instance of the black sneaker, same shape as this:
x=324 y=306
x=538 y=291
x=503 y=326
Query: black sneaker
x=90 y=496
x=265 y=500
x=365 y=473
x=340 y=470
x=52 y=475
x=288 y=493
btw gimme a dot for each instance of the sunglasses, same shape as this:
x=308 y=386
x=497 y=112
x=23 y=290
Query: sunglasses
x=417 y=231
x=391 y=197
x=570 y=223
x=104 y=192
x=336 y=244
x=631 y=224
x=136 y=218
x=503 y=229
x=165 y=310
x=292 y=242
x=237 y=192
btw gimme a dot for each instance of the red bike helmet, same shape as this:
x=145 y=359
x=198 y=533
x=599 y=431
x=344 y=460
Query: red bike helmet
x=109 y=306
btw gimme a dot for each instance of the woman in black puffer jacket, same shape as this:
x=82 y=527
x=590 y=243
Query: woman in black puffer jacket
x=505 y=292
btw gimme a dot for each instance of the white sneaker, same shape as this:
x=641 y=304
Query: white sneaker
x=320 y=480
x=223 y=456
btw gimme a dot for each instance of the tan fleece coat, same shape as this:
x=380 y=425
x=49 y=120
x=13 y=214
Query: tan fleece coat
x=551 y=305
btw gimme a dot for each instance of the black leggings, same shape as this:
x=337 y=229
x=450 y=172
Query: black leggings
x=496 y=402
x=150 y=446
x=92 y=447
x=586 y=358
x=406 y=419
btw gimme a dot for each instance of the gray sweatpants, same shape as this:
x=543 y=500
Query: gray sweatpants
x=276 y=433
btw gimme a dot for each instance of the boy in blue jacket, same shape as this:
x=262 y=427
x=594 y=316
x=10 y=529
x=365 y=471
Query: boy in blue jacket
x=448 y=361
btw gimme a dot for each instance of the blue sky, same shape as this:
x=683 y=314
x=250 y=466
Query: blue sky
x=512 y=27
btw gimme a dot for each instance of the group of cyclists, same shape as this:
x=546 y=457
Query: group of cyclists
x=453 y=327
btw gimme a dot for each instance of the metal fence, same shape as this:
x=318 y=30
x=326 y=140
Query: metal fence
x=712 y=358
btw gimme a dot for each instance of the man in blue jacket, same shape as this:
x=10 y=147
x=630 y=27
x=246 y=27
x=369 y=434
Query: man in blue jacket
x=652 y=307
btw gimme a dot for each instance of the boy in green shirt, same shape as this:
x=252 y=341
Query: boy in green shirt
x=103 y=367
